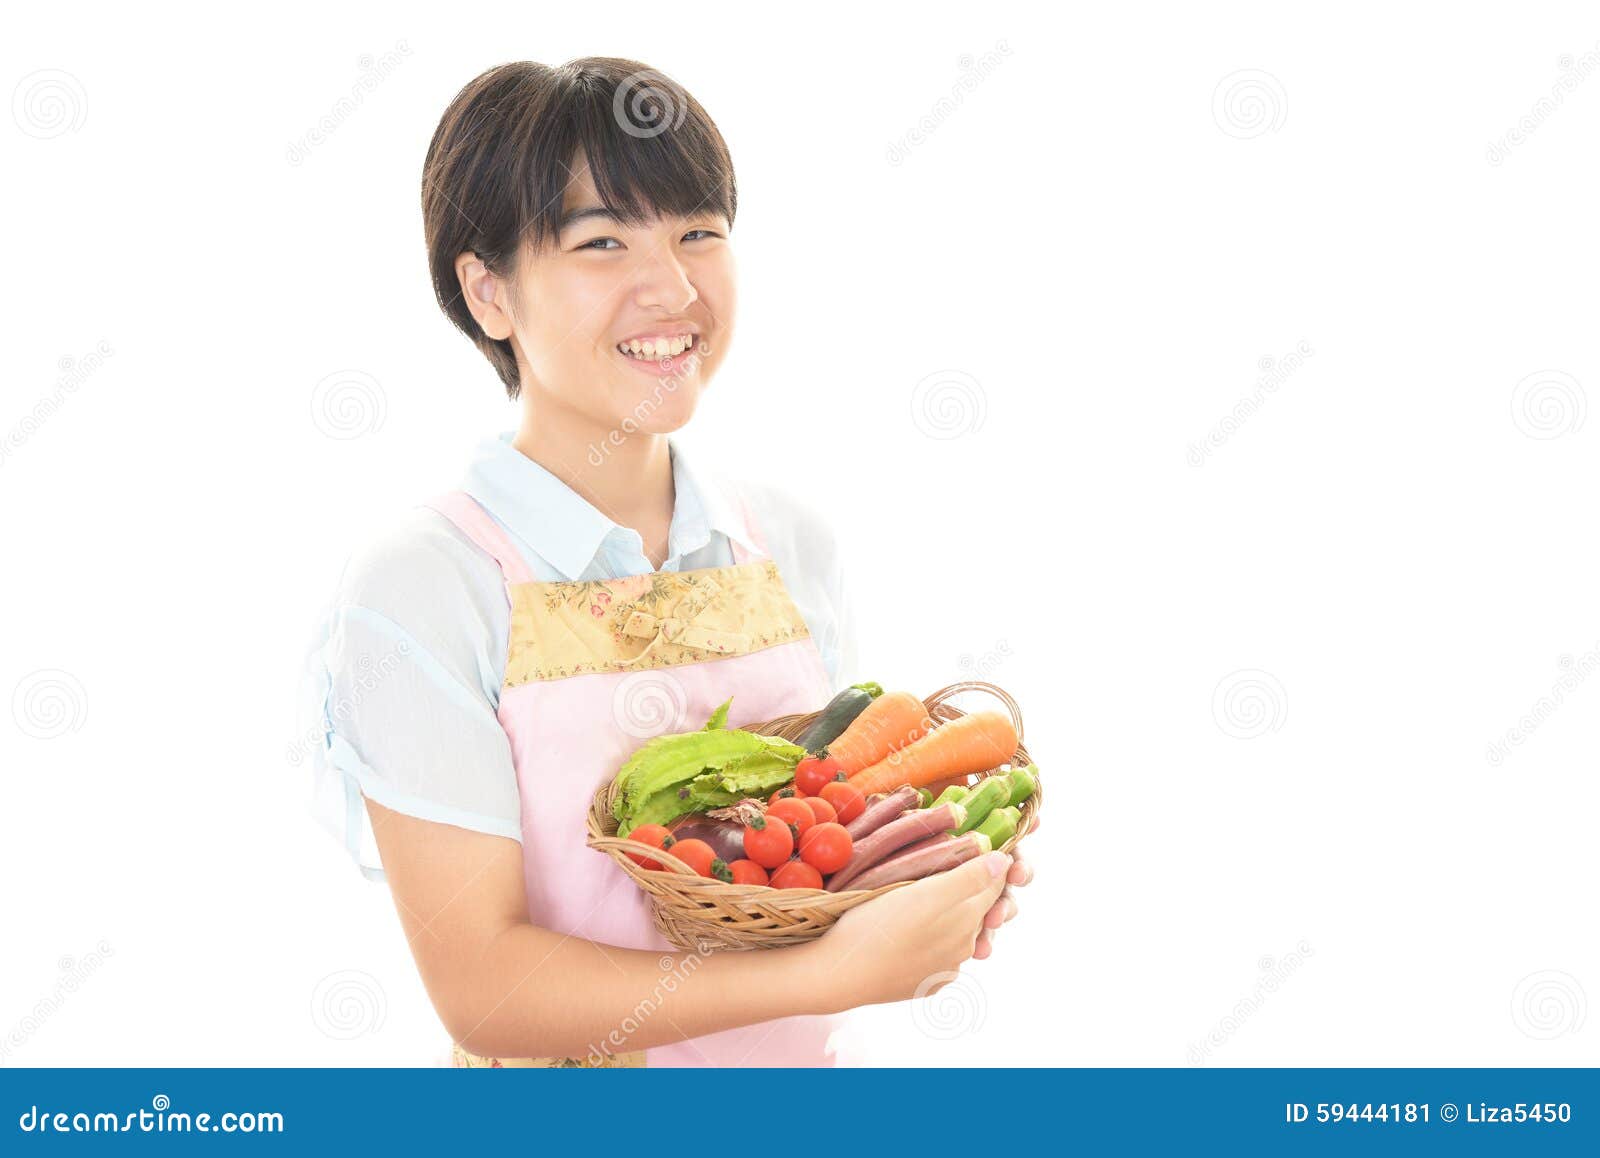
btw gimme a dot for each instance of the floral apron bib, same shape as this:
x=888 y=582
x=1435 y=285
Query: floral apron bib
x=593 y=670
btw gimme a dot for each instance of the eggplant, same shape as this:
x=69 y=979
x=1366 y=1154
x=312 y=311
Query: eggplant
x=838 y=715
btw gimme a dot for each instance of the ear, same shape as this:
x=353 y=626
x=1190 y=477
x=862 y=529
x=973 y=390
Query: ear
x=484 y=294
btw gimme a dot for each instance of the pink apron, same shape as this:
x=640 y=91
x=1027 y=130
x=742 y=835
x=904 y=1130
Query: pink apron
x=593 y=670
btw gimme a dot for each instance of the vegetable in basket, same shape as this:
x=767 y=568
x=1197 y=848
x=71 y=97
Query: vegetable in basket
x=923 y=859
x=970 y=743
x=881 y=810
x=912 y=825
x=838 y=715
x=697 y=771
x=889 y=722
x=988 y=794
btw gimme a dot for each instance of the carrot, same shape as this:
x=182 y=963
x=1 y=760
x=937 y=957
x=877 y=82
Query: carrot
x=971 y=743
x=888 y=723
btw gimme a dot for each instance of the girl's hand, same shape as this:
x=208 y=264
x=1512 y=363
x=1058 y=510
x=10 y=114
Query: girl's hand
x=887 y=948
x=1006 y=907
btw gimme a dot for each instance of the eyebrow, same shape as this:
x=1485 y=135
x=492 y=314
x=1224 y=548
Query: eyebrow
x=572 y=216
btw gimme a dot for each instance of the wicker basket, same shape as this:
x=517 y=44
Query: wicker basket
x=700 y=914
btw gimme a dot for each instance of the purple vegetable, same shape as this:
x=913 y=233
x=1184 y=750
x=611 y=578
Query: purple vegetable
x=914 y=825
x=881 y=809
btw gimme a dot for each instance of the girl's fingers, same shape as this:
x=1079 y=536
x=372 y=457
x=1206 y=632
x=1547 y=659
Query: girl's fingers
x=1020 y=873
x=999 y=913
x=984 y=946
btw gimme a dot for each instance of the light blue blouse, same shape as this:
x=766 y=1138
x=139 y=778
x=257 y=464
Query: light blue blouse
x=403 y=676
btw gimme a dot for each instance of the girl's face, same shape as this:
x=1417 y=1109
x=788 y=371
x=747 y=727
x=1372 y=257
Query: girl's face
x=604 y=285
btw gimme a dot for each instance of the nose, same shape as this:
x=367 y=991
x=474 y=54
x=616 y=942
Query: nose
x=662 y=283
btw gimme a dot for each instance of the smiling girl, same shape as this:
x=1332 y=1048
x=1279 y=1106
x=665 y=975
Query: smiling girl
x=492 y=659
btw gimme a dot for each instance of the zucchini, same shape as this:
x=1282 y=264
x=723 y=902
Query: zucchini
x=838 y=715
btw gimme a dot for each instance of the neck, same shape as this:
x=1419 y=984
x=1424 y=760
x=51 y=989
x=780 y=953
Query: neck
x=630 y=483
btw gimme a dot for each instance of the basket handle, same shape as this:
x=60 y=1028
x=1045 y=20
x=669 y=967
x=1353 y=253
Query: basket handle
x=936 y=703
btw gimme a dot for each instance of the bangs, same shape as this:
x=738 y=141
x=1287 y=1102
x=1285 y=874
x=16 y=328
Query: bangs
x=652 y=150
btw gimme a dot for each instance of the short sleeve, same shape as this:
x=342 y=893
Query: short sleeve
x=401 y=687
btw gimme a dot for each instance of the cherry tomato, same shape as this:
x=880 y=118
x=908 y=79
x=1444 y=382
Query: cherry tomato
x=826 y=848
x=697 y=854
x=747 y=872
x=846 y=799
x=814 y=771
x=656 y=836
x=768 y=843
x=784 y=793
x=794 y=810
x=796 y=874
x=821 y=810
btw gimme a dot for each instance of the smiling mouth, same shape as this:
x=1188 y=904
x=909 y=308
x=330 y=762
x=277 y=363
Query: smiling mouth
x=657 y=349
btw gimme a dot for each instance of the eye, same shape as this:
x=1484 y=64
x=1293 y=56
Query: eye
x=690 y=236
x=600 y=243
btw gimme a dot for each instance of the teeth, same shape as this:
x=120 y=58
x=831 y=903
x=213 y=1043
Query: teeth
x=658 y=347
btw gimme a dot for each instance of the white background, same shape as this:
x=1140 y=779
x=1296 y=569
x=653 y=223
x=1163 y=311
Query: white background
x=1092 y=252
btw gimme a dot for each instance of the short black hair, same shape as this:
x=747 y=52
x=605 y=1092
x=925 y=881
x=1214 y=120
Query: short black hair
x=501 y=158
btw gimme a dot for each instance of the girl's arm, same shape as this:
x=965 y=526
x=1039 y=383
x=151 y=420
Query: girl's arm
x=506 y=988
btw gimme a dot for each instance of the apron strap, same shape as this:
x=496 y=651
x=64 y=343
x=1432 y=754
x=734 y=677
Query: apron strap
x=474 y=522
